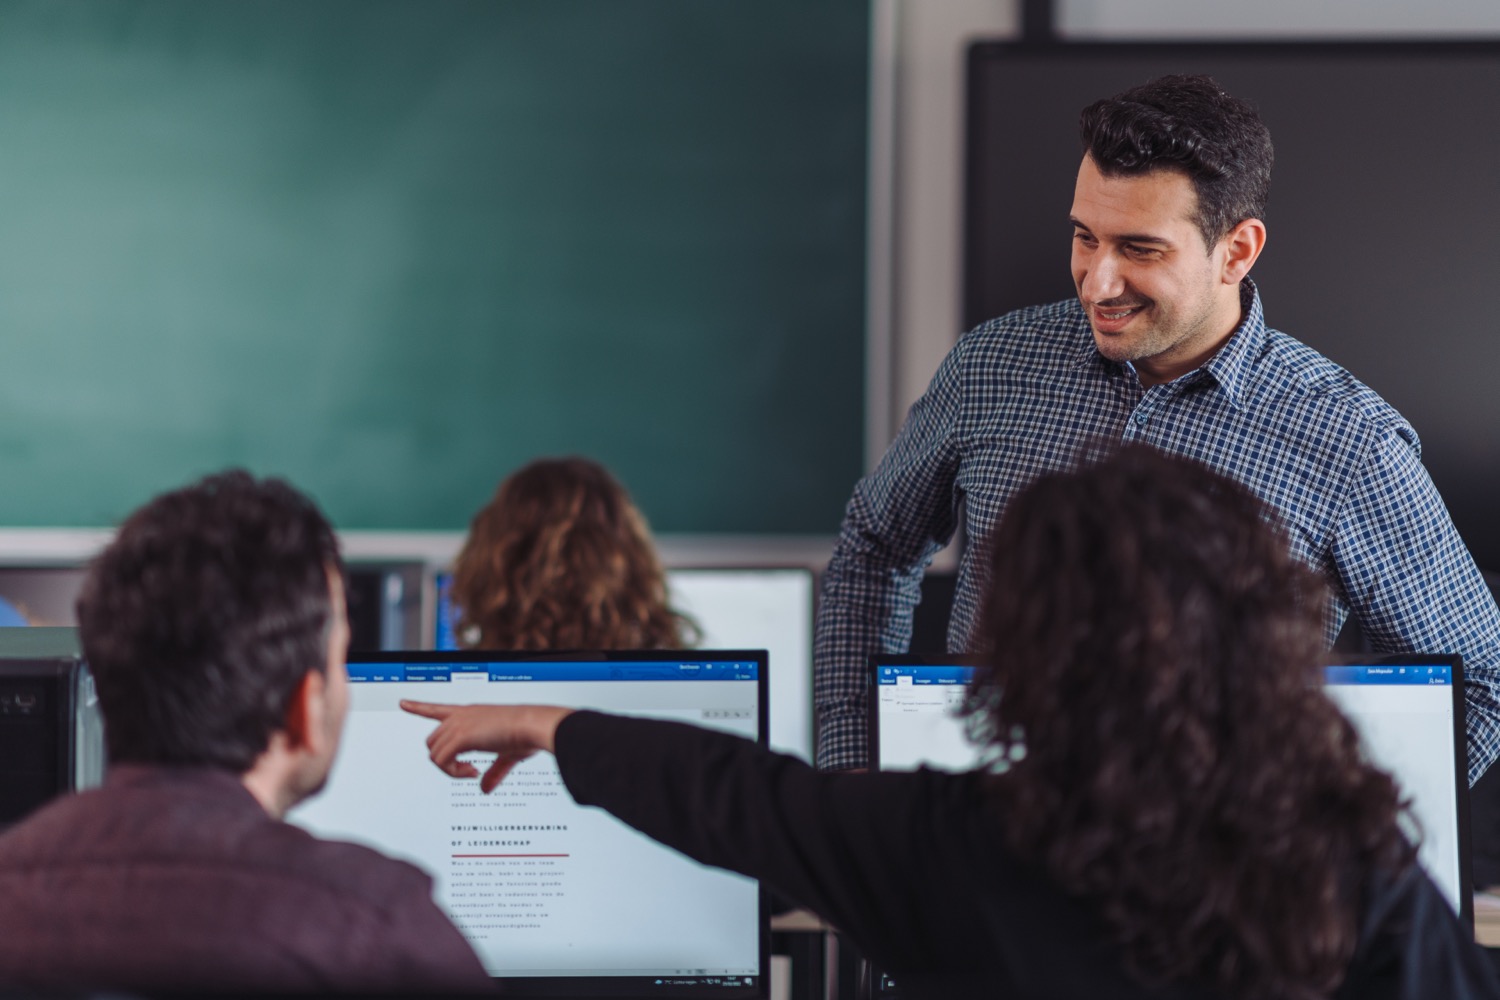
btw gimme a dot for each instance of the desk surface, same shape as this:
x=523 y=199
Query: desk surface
x=1487 y=918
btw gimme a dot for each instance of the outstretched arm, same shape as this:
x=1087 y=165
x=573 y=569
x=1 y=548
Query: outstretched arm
x=865 y=851
x=515 y=732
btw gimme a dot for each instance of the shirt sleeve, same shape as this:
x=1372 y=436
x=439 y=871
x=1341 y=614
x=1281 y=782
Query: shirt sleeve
x=900 y=516
x=1413 y=586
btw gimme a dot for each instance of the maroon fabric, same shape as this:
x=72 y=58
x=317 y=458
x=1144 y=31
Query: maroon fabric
x=177 y=879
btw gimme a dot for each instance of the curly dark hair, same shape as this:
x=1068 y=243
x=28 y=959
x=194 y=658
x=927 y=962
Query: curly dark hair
x=1187 y=123
x=1176 y=762
x=203 y=615
x=561 y=558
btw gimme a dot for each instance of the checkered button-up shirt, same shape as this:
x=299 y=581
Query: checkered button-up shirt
x=1022 y=394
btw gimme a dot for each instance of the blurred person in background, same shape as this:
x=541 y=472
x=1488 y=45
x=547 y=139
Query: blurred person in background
x=560 y=558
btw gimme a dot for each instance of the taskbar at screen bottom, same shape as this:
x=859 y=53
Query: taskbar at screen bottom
x=674 y=985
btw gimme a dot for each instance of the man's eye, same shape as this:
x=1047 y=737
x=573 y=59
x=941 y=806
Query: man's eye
x=1141 y=253
x=1083 y=238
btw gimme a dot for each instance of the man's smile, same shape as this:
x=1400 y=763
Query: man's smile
x=1113 y=318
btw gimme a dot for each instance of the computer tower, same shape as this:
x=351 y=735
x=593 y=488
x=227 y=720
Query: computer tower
x=51 y=732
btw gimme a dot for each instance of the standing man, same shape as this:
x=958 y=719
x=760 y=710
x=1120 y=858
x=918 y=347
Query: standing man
x=214 y=626
x=1165 y=344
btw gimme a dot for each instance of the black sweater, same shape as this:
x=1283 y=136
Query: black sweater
x=912 y=867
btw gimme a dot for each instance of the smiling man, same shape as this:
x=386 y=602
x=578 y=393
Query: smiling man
x=1154 y=298
x=1165 y=344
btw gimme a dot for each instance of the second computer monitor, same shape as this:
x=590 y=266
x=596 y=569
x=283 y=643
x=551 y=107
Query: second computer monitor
x=735 y=608
x=1408 y=709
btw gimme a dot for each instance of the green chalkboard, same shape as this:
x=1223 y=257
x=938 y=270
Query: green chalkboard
x=392 y=250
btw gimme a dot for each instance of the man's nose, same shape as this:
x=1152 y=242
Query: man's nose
x=1103 y=280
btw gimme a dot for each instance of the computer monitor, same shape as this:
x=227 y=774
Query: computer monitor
x=736 y=608
x=51 y=731
x=557 y=900
x=912 y=722
x=1409 y=711
x=385 y=605
x=384 y=600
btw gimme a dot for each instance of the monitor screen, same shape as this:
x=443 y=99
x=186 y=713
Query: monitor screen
x=1408 y=711
x=749 y=608
x=558 y=900
x=913 y=723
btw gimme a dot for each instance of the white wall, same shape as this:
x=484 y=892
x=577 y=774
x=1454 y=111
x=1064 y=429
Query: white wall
x=927 y=266
x=1278 y=19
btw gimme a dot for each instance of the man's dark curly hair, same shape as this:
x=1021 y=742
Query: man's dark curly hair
x=203 y=615
x=1158 y=647
x=1186 y=123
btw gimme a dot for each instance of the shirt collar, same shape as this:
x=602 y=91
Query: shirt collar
x=200 y=781
x=1230 y=367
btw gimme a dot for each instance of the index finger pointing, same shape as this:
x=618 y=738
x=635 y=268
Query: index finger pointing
x=427 y=709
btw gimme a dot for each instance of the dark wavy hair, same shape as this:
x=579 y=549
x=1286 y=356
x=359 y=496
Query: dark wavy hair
x=1187 y=123
x=202 y=617
x=1174 y=759
x=561 y=558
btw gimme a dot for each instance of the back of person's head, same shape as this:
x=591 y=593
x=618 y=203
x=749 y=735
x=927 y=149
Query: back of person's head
x=561 y=558
x=1188 y=124
x=202 y=617
x=1173 y=756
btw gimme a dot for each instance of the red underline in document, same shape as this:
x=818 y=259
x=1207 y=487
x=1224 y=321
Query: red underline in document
x=512 y=855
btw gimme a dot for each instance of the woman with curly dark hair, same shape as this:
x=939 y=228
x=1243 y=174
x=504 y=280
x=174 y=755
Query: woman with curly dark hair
x=1177 y=811
x=561 y=558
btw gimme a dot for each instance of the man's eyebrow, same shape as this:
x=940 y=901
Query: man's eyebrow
x=1127 y=237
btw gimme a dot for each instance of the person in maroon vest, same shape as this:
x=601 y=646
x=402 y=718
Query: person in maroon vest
x=215 y=629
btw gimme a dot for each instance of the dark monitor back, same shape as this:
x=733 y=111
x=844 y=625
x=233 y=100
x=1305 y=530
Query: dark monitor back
x=384 y=601
x=385 y=606
x=1384 y=203
x=51 y=733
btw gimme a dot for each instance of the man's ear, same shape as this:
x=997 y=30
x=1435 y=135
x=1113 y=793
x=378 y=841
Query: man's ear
x=1243 y=245
x=304 y=722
